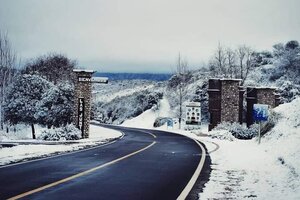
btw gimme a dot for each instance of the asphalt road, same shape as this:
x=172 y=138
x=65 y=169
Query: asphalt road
x=144 y=164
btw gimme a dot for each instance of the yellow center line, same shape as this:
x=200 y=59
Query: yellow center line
x=79 y=174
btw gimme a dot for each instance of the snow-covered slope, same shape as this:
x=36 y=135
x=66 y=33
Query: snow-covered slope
x=271 y=170
x=147 y=118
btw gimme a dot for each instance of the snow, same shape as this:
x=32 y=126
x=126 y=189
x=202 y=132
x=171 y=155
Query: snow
x=29 y=148
x=147 y=118
x=243 y=169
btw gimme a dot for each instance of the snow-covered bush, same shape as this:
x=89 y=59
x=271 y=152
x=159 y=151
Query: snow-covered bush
x=160 y=121
x=68 y=132
x=56 y=106
x=238 y=130
x=221 y=134
x=288 y=91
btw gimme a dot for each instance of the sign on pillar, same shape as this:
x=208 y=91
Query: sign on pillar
x=83 y=95
x=81 y=114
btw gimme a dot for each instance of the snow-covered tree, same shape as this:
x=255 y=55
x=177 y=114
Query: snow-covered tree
x=22 y=99
x=56 y=106
x=54 y=67
x=7 y=70
x=288 y=60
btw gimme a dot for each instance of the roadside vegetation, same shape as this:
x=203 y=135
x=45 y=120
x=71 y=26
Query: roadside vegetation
x=40 y=92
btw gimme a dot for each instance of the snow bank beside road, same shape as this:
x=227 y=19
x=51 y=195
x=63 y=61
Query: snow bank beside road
x=242 y=169
x=271 y=170
x=35 y=149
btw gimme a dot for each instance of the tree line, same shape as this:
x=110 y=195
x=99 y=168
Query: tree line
x=237 y=63
x=40 y=92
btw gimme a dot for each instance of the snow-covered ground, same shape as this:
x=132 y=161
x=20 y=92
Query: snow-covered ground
x=29 y=148
x=147 y=118
x=242 y=169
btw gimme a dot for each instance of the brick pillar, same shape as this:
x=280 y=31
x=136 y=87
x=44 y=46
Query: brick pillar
x=251 y=100
x=241 y=106
x=214 y=102
x=83 y=94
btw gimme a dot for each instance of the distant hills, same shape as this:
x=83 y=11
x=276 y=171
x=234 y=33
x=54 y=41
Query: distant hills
x=134 y=76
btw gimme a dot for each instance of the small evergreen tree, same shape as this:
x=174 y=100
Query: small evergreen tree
x=22 y=97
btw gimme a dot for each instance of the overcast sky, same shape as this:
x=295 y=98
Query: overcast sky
x=145 y=35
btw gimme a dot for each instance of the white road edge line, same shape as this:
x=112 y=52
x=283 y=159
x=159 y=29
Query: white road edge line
x=195 y=176
x=63 y=154
x=80 y=174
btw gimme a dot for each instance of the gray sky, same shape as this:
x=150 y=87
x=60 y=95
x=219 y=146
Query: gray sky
x=145 y=35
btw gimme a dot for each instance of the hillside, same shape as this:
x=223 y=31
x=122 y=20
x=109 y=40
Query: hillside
x=134 y=76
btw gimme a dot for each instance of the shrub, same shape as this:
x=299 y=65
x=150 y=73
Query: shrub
x=238 y=130
x=69 y=132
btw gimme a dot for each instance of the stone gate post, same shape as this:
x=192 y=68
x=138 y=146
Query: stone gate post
x=82 y=104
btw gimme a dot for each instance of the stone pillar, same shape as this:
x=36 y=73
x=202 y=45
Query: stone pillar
x=225 y=101
x=230 y=100
x=82 y=103
x=266 y=96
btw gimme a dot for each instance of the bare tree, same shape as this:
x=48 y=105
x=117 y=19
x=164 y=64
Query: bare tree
x=7 y=70
x=246 y=58
x=231 y=63
x=218 y=63
x=222 y=64
x=182 y=74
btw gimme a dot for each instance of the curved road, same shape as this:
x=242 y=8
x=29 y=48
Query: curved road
x=144 y=164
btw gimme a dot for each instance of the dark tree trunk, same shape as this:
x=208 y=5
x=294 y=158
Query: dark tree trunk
x=33 y=131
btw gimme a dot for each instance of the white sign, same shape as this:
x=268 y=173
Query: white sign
x=193 y=113
x=99 y=80
x=84 y=79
